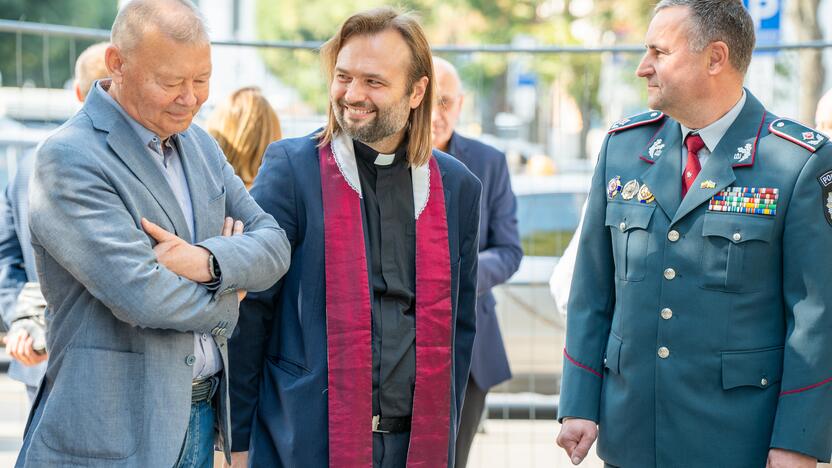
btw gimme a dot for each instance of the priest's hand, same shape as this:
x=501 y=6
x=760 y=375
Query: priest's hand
x=779 y=458
x=576 y=438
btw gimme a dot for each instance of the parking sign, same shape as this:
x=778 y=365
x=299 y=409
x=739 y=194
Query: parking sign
x=766 y=15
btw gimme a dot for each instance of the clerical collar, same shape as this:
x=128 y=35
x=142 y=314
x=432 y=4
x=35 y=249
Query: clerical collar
x=380 y=159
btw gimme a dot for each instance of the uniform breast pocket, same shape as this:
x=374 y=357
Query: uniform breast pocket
x=628 y=224
x=736 y=252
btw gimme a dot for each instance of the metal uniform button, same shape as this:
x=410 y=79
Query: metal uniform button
x=622 y=226
x=190 y=360
x=667 y=313
x=764 y=382
x=669 y=274
x=737 y=237
x=664 y=352
x=673 y=235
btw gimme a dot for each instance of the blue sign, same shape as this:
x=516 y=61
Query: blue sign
x=766 y=15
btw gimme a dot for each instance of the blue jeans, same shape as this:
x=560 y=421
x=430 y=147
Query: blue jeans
x=198 y=448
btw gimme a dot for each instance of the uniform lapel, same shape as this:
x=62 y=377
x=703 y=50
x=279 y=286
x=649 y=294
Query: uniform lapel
x=663 y=177
x=736 y=149
x=717 y=170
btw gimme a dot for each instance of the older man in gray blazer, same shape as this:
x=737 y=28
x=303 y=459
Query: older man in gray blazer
x=131 y=213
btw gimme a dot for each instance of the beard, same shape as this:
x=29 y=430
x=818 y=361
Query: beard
x=387 y=121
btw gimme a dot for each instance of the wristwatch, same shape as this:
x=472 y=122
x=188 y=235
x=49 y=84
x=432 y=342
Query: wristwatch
x=213 y=267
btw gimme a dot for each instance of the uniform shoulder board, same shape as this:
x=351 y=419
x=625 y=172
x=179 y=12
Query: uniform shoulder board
x=798 y=134
x=636 y=121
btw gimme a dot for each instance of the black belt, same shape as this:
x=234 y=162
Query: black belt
x=202 y=390
x=391 y=425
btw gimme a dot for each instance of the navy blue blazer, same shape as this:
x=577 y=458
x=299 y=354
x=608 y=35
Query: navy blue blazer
x=17 y=259
x=278 y=352
x=499 y=253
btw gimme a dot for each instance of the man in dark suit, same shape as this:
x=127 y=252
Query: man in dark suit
x=499 y=247
x=361 y=354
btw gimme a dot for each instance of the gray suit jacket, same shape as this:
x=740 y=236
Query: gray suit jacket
x=117 y=390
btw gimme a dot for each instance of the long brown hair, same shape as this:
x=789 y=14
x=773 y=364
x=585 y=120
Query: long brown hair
x=373 y=22
x=244 y=125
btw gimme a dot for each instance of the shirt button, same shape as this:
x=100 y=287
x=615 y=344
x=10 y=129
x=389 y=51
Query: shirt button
x=737 y=237
x=763 y=382
x=667 y=313
x=622 y=226
x=669 y=274
x=673 y=235
x=204 y=336
x=664 y=352
x=190 y=360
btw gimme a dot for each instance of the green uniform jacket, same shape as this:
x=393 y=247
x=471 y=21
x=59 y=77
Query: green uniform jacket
x=698 y=337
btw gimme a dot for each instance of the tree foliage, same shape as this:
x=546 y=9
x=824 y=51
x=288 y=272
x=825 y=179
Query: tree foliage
x=48 y=61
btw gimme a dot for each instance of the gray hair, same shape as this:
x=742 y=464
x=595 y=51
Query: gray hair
x=719 y=20
x=179 y=20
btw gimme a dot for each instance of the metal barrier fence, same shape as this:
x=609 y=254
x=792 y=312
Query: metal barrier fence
x=547 y=107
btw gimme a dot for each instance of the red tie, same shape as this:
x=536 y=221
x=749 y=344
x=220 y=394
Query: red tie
x=694 y=143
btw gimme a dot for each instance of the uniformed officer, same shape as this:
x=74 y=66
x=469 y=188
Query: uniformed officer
x=699 y=332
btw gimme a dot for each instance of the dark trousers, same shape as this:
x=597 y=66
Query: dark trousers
x=390 y=450
x=472 y=408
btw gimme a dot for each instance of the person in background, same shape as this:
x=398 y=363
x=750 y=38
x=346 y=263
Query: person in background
x=698 y=327
x=823 y=114
x=499 y=247
x=244 y=124
x=21 y=300
x=561 y=280
x=142 y=264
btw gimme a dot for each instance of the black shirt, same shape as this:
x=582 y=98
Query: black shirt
x=390 y=232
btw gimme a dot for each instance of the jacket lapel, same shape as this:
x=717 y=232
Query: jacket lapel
x=130 y=149
x=197 y=176
x=736 y=149
x=663 y=177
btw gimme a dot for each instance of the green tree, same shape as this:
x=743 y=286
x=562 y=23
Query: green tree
x=48 y=61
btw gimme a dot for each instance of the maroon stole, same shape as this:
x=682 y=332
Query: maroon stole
x=349 y=321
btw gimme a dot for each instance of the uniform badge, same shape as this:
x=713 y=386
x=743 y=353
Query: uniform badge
x=655 y=149
x=826 y=184
x=743 y=153
x=620 y=124
x=613 y=187
x=746 y=200
x=645 y=195
x=708 y=184
x=630 y=190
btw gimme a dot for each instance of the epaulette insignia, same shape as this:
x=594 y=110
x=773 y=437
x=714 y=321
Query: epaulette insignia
x=636 y=121
x=798 y=134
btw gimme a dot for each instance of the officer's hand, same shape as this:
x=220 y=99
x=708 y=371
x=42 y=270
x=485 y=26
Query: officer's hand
x=576 y=437
x=238 y=460
x=779 y=458
x=19 y=346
